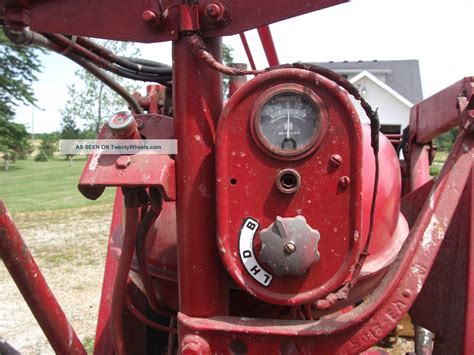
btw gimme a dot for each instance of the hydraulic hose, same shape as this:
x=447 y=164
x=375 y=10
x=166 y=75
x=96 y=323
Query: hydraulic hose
x=27 y=37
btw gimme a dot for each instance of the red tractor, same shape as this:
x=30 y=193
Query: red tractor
x=283 y=225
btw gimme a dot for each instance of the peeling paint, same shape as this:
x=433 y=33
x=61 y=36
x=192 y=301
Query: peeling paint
x=434 y=233
x=204 y=191
x=418 y=273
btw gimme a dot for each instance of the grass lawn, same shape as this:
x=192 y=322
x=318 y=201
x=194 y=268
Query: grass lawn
x=45 y=186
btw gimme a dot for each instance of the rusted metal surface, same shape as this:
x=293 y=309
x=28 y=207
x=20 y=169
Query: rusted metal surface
x=125 y=22
x=32 y=285
x=202 y=288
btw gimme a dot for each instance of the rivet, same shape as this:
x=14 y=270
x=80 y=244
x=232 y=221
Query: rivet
x=406 y=293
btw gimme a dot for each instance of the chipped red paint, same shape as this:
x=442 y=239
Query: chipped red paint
x=30 y=281
x=182 y=249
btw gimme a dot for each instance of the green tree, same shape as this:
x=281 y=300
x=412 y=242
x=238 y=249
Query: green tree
x=49 y=143
x=14 y=141
x=69 y=129
x=93 y=102
x=18 y=69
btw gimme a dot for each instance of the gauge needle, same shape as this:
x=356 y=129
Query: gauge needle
x=288 y=125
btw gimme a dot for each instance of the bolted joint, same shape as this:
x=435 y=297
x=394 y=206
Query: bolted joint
x=194 y=345
x=216 y=13
x=152 y=18
x=123 y=162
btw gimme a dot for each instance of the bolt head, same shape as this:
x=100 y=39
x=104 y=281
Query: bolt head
x=123 y=162
x=344 y=181
x=149 y=15
x=216 y=12
x=289 y=248
x=212 y=10
x=335 y=160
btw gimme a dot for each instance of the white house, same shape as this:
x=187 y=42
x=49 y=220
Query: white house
x=391 y=86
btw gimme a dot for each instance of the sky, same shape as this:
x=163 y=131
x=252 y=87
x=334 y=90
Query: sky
x=436 y=32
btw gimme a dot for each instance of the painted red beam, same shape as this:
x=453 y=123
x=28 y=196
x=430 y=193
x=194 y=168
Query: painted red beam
x=268 y=45
x=243 y=38
x=197 y=98
x=440 y=112
x=103 y=338
x=122 y=19
x=32 y=285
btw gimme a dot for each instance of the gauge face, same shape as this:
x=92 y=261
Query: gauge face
x=288 y=122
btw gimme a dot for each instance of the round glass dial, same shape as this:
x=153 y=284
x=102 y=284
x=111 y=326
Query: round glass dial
x=289 y=123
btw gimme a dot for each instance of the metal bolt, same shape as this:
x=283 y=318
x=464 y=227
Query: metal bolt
x=213 y=11
x=335 y=160
x=216 y=12
x=344 y=181
x=289 y=248
x=194 y=345
x=123 y=162
x=151 y=17
x=406 y=293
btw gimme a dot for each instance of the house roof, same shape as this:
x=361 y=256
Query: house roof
x=381 y=84
x=403 y=76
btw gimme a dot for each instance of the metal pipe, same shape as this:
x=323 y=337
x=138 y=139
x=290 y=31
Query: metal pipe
x=132 y=214
x=32 y=285
x=202 y=286
x=268 y=45
x=171 y=337
x=423 y=341
x=243 y=38
x=137 y=314
x=145 y=224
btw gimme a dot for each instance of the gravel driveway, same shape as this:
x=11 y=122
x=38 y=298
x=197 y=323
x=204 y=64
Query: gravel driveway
x=69 y=247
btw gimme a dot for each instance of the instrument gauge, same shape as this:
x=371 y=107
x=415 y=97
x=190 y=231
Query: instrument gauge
x=288 y=121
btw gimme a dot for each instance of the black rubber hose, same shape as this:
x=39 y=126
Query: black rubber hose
x=27 y=37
